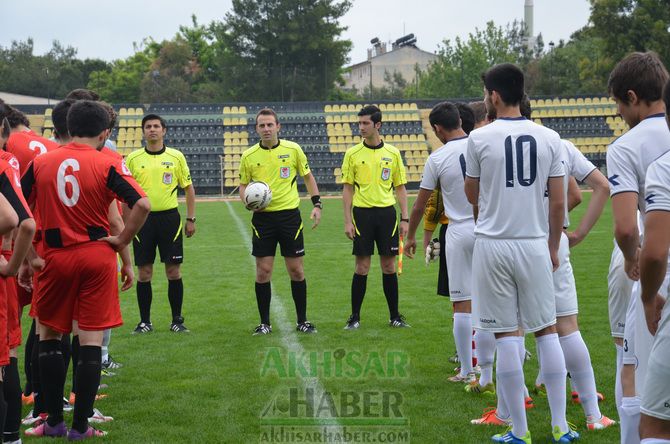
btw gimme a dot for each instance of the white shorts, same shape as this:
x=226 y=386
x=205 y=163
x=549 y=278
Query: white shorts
x=619 y=290
x=565 y=290
x=460 y=240
x=656 y=390
x=513 y=285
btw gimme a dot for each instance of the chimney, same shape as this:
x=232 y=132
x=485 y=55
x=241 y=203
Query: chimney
x=528 y=21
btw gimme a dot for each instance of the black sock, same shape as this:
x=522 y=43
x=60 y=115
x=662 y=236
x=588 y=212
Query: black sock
x=358 y=287
x=38 y=403
x=3 y=408
x=66 y=349
x=27 y=356
x=144 y=296
x=390 y=284
x=52 y=376
x=299 y=293
x=176 y=297
x=88 y=380
x=75 y=360
x=263 y=297
x=12 y=391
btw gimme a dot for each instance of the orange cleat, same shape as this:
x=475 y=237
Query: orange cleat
x=490 y=417
x=27 y=400
x=529 y=403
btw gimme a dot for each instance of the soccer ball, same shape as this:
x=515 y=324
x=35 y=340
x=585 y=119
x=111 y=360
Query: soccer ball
x=257 y=195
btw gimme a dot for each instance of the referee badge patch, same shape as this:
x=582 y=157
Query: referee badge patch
x=284 y=172
x=386 y=173
x=167 y=178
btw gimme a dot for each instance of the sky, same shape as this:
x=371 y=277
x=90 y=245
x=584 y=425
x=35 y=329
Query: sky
x=122 y=22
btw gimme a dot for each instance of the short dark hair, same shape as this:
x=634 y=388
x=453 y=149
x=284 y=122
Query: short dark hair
x=154 y=117
x=372 y=111
x=83 y=94
x=479 y=110
x=507 y=80
x=666 y=97
x=111 y=112
x=446 y=115
x=467 y=117
x=525 y=108
x=267 y=112
x=87 y=118
x=13 y=115
x=59 y=117
x=641 y=72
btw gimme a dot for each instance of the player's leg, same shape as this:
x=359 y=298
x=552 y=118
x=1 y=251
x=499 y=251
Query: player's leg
x=144 y=252
x=462 y=331
x=264 y=246
x=12 y=394
x=171 y=249
x=363 y=249
x=175 y=296
x=387 y=239
x=629 y=411
x=619 y=288
x=52 y=377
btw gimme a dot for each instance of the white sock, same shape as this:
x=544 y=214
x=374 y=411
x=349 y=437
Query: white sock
x=553 y=371
x=463 y=339
x=655 y=441
x=578 y=363
x=502 y=411
x=629 y=418
x=510 y=382
x=521 y=347
x=618 y=390
x=485 y=344
x=538 y=379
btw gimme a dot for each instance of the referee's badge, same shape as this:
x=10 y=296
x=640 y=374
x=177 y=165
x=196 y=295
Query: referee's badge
x=386 y=173
x=167 y=178
x=284 y=172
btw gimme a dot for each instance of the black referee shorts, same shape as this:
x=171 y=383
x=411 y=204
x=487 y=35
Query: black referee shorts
x=163 y=229
x=277 y=227
x=375 y=225
x=443 y=277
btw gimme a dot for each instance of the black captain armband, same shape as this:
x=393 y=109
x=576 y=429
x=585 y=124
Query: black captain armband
x=316 y=201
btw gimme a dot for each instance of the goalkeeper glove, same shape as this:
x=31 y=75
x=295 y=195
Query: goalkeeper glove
x=432 y=251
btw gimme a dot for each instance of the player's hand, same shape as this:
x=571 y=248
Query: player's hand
x=410 y=247
x=127 y=277
x=4 y=268
x=350 y=230
x=652 y=313
x=189 y=229
x=25 y=277
x=315 y=217
x=554 y=259
x=574 y=239
x=115 y=242
x=632 y=267
x=404 y=228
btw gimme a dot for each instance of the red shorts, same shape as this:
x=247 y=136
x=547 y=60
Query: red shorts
x=79 y=283
x=13 y=313
x=4 y=335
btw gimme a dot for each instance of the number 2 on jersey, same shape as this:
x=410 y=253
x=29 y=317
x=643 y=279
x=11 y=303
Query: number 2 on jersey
x=510 y=157
x=62 y=179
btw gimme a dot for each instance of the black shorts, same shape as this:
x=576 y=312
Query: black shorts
x=283 y=227
x=163 y=229
x=443 y=277
x=375 y=225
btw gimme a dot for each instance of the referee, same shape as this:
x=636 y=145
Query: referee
x=278 y=163
x=160 y=171
x=370 y=172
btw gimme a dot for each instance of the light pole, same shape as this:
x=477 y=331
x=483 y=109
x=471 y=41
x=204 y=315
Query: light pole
x=551 y=67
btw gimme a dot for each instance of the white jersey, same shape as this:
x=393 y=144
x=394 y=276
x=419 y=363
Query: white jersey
x=513 y=158
x=446 y=168
x=657 y=192
x=629 y=156
x=577 y=166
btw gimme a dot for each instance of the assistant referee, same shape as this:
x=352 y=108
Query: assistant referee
x=160 y=171
x=370 y=172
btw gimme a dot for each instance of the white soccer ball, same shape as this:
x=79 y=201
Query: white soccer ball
x=257 y=195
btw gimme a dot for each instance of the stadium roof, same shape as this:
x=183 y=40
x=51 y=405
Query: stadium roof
x=20 y=99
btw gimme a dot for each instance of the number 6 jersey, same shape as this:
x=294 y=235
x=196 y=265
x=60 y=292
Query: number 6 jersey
x=513 y=158
x=72 y=188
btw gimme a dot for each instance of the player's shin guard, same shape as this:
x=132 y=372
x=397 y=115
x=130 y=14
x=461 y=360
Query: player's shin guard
x=510 y=383
x=630 y=420
x=75 y=360
x=66 y=349
x=12 y=391
x=618 y=389
x=521 y=349
x=390 y=284
x=578 y=363
x=39 y=404
x=144 y=297
x=88 y=380
x=553 y=371
x=486 y=348
x=263 y=298
x=299 y=293
x=463 y=339
x=52 y=376
x=27 y=358
x=358 y=287
x=176 y=296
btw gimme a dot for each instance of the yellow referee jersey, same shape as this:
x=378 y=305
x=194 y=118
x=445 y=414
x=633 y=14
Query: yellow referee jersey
x=160 y=173
x=279 y=167
x=374 y=172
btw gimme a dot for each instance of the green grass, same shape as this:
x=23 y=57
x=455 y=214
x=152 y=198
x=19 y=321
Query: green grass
x=209 y=385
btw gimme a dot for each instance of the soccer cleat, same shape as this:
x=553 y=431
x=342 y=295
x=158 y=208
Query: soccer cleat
x=454 y=358
x=67 y=407
x=29 y=420
x=262 y=329
x=107 y=373
x=45 y=429
x=75 y=435
x=603 y=423
x=509 y=438
x=398 y=322
x=143 y=327
x=353 y=322
x=111 y=363
x=475 y=388
x=564 y=438
x=477 y=369
x=490 y=417
x=306 y=327
x=73 y=397
x=576 y=400
x=467 y=379
x=97 y=417
x=528 y=403
x=27 y=400
x=178 y=326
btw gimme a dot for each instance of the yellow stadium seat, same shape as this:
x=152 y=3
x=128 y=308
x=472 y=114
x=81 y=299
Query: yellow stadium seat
x=580 y=101
x=571 y=101
x=336 y=108
x=234 y=110
x=242 y=109
x=588 y=101
x=327 y=109
x=48 y=112
x=226 y=110
x=351 y=108
x=421 y=137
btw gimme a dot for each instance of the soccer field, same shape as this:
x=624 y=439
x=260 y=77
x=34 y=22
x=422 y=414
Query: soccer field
x=375 y=384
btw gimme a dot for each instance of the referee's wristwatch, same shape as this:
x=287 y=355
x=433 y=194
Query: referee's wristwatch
x=191 y=219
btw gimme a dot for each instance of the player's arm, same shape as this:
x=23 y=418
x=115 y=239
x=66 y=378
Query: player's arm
x=598 y=182
x=556 y=216
x=574 y=194
x=189 y=192
x=415 y=218
x=472 y=190
x=116 y=227
x=401 y=194
x=313 y=190
x=626 y=231
x=14 y=208
x=653 y=264
x=347 y=202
